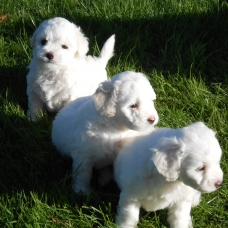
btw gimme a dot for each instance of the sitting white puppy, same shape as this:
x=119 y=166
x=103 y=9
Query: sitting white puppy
x=167 y=168
x=60 y=71
x=92 y=129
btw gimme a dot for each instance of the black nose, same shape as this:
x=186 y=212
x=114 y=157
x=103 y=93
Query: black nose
x=50 y=55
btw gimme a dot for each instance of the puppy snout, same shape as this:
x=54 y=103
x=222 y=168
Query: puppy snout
x=151 y=119
x=218 y=184
x=50 y=55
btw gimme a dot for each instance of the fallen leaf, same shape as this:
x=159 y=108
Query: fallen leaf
x=57 y=222
x=3 y=18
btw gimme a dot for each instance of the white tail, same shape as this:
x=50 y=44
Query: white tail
x=107 y=50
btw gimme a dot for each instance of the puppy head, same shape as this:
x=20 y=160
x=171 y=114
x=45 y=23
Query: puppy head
x=193 y=158
x=200 y=167
x=58 y=41
x=128 y=98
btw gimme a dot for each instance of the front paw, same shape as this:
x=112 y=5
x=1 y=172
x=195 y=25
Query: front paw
x=32 y=117
x=81 y=189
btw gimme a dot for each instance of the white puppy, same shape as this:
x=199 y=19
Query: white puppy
x=168 y=168
x=60 y=71
x=92 y=129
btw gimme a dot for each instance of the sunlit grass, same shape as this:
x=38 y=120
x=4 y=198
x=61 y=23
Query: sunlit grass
x=181 y=45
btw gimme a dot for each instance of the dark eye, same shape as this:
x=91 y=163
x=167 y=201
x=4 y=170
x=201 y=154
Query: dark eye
x=134 y=106
x=43 y=41
x=202 y=168
x=64 y=47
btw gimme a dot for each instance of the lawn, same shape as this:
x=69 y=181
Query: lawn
x=181 y=45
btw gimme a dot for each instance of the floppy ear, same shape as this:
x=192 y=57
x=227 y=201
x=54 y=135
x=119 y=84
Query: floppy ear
x=82 y=42
x=167 y=157
x=105 y=98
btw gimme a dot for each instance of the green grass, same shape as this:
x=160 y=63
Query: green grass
x=181 y=45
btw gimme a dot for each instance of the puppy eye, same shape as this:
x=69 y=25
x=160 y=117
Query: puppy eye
x=43 y=41
x=202 y=168
x=134 y=106
x=64 y=47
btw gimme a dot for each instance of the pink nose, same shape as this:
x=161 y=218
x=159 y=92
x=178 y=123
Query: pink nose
x=151 y=119
x=218 y=184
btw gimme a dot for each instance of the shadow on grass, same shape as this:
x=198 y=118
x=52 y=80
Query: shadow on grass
x=170 y=44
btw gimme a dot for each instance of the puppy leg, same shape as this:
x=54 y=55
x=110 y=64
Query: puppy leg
x=105 y=175
x=35 y=106
x=179 y=215
x=127 y=212
x=81 y=176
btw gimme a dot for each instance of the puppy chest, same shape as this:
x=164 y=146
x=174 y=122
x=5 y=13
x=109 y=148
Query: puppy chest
x=51 y=80
x=166 y=196
x=52 y=86
x=153 y=203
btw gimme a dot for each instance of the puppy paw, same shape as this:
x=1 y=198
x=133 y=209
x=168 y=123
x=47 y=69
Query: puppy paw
x=81 y=189
x=32 y=117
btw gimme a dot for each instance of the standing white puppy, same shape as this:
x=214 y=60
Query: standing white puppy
x=60 y=71
x=91 y=130
x=167 y=169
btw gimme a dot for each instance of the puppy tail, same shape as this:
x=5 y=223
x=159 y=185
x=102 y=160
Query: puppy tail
x=107 y=50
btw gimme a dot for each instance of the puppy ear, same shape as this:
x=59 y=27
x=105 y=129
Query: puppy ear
x=167 y=157
x=83 y=44
x=105 y=98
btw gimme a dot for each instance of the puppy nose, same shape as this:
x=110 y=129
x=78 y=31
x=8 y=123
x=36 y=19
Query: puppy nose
x=151 y=119
x=218 y=184
x=50 y=55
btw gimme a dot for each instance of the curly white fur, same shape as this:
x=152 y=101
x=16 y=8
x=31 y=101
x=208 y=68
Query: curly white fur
x=167 y=169
x=60 y=71
x=91 y=130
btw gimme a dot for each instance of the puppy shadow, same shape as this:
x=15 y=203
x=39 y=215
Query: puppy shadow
x=13 y=85
x=26 y=152
x=29 y=163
